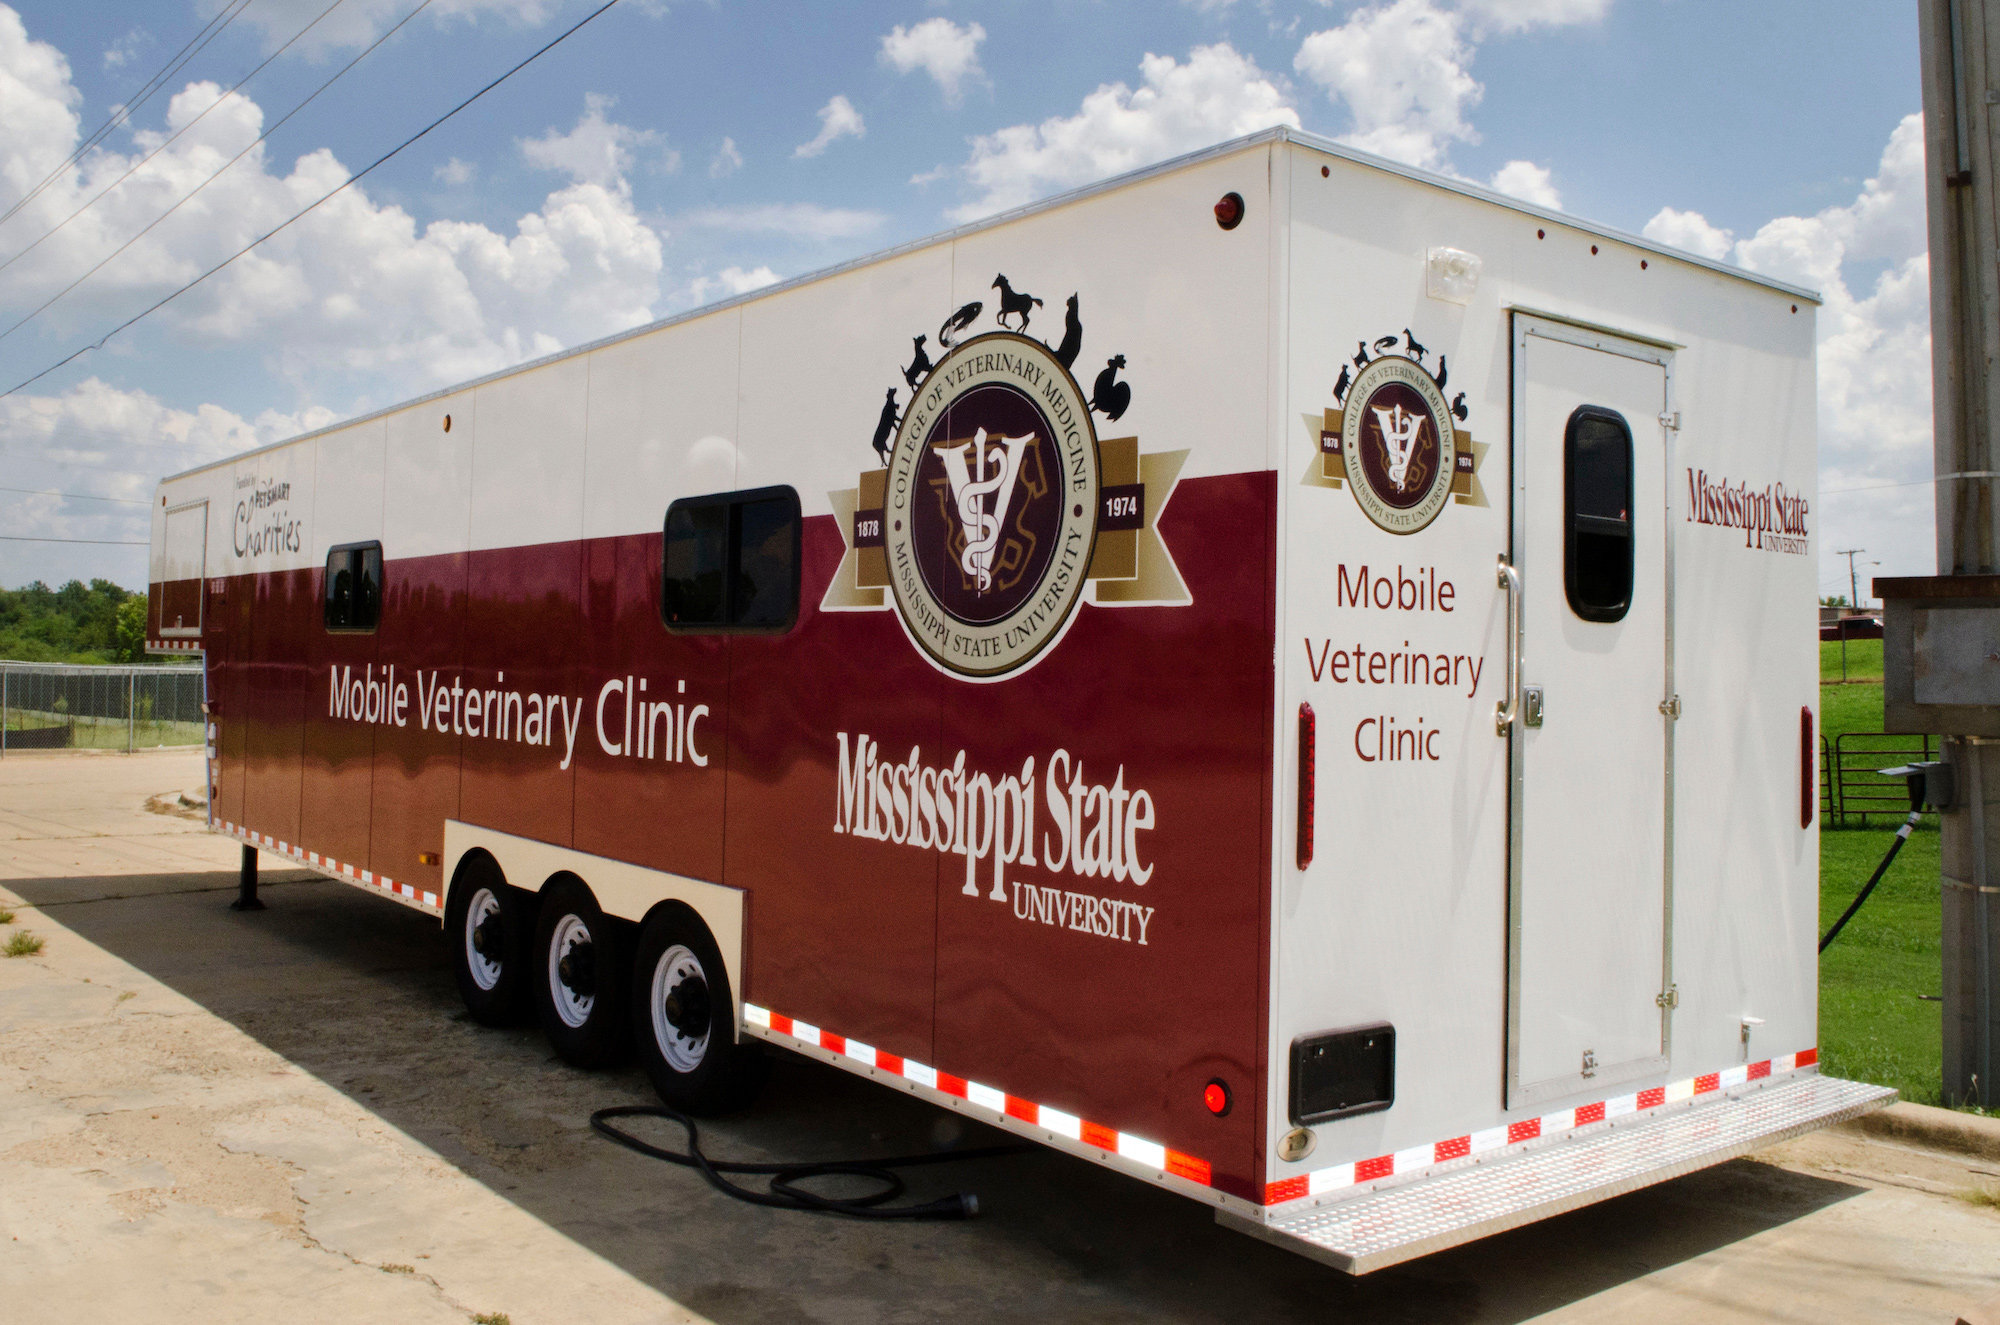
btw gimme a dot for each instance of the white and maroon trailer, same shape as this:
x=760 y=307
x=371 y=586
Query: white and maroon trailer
x=1281 y=674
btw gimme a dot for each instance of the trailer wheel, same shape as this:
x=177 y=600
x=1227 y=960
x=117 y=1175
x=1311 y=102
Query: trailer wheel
x=580 y=989
x=489 y=926
x=684 y=1013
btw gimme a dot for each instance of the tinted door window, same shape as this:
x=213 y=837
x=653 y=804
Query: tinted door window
x=731 y=562
x=354 y=588
x=1597 y=510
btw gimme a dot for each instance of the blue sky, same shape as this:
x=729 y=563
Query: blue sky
x=670 y=154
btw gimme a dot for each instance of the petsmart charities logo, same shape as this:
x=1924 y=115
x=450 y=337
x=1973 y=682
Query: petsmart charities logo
x=998 y=511
x=1772 y=520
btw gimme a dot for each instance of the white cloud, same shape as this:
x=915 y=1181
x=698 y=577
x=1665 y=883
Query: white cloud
x=798 y=220
x=727 y=160
x=1874 y=354
x=1520 y=15
x=108 y=442
x=358 y=22
x=1401 y=70
x=923 y=179
x=728 y=282
x=1529 y=182
x=1690 y=231
x=1218 y=94
x=354 y=297
x=837 y=119
x=597 y=150
x=456 y=173
x=942 y=49
x=126 y=49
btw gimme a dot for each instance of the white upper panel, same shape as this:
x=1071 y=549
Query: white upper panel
x=347 y=505
x=427 y=493
x=527 y=467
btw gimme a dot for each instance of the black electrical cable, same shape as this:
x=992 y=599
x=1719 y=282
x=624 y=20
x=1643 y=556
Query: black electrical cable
x=1902 y=836
x=785 y=1192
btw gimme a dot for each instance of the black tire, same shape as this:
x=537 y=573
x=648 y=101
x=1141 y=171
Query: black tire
x=490 y=927
x=683 y=1017
x=579 y=978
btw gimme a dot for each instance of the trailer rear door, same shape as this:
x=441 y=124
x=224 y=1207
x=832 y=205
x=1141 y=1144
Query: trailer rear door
x=1590 y=866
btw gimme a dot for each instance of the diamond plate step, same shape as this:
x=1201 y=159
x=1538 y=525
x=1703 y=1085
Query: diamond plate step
x=1369 y=1232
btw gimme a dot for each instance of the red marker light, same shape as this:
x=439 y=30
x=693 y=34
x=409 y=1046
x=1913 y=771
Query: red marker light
x=1229 y=211
x=1216 y=1096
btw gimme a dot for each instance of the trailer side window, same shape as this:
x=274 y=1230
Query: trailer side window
x=354 y=588
x=1597 y=512
x=731 y=563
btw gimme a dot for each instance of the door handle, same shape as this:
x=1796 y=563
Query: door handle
x=1509 y=708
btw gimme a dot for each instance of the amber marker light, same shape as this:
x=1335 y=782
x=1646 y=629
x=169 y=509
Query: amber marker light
x=1229 y=211
x=1216 y=1096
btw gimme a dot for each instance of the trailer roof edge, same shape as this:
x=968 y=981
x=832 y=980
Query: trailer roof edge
x=1277 y=134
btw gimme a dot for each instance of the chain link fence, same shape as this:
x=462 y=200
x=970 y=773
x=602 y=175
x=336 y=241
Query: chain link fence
x=47 y=706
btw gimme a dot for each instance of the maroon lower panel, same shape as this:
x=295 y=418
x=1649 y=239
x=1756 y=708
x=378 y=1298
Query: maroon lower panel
x=658 y=801
x=1122 y=1013
x=337 y=779
x=416 y=764
x=226 y=645
x=843 y=929
x=282 y=607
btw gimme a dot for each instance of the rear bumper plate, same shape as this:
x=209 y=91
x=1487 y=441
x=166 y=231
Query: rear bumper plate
x=1381 y=1228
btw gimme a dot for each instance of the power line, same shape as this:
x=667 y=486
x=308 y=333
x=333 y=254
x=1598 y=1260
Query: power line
x=1878 y=487
x=351 y=181
x=101 y=542
x=123 y=113
x=78 y=496
x=141 y=163
x=113 y=255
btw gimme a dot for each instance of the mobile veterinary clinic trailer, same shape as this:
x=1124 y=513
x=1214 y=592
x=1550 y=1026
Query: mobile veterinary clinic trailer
x=1280 y=674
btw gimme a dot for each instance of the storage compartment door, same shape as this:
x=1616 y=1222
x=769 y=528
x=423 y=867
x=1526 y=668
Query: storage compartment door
x=1591 y=753
x=182 y=573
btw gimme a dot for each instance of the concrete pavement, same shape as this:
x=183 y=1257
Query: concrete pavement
x=212 y=1116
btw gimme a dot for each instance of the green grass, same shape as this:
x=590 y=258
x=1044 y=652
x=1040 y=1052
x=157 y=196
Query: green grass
x=1864 y=660
x=22 y=944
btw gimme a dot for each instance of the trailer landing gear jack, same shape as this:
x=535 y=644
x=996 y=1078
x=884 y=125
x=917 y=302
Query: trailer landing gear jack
x=246 y=884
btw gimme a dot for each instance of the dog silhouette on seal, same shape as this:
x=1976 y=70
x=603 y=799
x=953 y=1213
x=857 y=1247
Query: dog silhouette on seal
x=919 y=365
x=1072 y=341
x=1109 y=396
x=1013 y=305
x=885 y=427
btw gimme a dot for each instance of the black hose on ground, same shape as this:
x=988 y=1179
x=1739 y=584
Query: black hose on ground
x=1902 y=836
x=785 y=1193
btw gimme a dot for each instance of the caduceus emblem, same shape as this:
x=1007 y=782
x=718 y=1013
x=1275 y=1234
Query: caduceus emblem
x=982 y=473
x=1400 y=431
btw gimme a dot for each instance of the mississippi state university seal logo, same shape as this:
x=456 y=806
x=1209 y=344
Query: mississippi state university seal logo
x=997 y=511
x=1396 y=440
x=991 y=505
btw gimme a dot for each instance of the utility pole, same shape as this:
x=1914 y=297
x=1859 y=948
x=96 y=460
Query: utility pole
x=1940 y=625
x=1853 y=584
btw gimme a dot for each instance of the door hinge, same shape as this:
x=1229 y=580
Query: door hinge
x=1671 y=420
x=1669 y=1000
x=1671 y=707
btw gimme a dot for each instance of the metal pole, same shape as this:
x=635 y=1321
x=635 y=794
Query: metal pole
x=131 y=709
x=246 y=883
x=3 y=712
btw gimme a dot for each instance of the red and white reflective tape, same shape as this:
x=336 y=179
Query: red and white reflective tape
x=1520 y=1134
x=338 y=870
x=172 y=646
x=1149 y=1154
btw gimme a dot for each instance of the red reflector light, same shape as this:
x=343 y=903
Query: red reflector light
x=1308 y=780
x=1229 y=211
x=1216 y=1096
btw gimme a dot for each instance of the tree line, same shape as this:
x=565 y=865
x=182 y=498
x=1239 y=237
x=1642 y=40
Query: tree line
x=78 y=623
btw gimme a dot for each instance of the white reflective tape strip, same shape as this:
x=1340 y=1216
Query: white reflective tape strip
x=1680 y=1090
x=431 y=900
x=864 y=1053
x=348 y=870
x=1063 y=1124
x=921 y=1073
x=1621 y=1106
x=806 y=1031
x=989 y=1098
x=1733 y=1076
x=756 y=1016
x=1785 y=1063
x=1558 y=1122
x=1416 y=1157
x=1150 y=1153
x=1328 y=1180
x=367 y=877
x=313 y=856
x=1493 y=1138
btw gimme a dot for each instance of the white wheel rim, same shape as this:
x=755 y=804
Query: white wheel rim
x=572 y=1007
x=485 y=972
x=675 y=965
